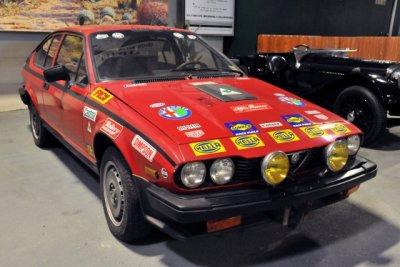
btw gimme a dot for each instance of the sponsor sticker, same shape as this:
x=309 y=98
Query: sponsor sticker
x=251 y=107
x=284 y=136
x=129 y=85
x=195 y=134
x=89 y=150
x=312 y=112
x=101 y=95
x=339 y=128
x=189 y=127
x=202 y=83
x=102 y=36
x=278 y=94
x=207 y=147
x=112 y=128
x=247 y=141
x=118 y=35
x=313 y=131
x=270 y=124
x=89 y=113
x=291 y=101
x=89 y=127
x=164 y=173
x=296 y=120
x=321 y=117
x=144 y=148
x=226 y=91
x=241 y=127
x=157 y=105
x=175 y=113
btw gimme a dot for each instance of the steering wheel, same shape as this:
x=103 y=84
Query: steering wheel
x=301 y=48
x=194 y=63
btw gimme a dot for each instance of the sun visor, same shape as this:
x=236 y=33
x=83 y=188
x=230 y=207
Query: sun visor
x=224 y=92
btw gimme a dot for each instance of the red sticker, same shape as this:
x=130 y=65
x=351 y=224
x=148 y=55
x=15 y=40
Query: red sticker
x=251 y=107
x=111 y=128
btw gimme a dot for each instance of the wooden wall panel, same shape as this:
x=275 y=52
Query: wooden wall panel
x=381 y=48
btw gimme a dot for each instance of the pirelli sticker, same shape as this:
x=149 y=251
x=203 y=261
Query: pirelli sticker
x=101 y=95
x=339 y=128
x=284 y=136
x=207 y=147
x=313 y=131
x=247 y=141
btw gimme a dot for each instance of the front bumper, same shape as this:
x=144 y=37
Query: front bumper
x=185 y=215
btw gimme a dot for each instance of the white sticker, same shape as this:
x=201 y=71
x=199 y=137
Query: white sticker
x=188 y=127
x=278 y=94
x=118 y=35
x=89 y=113
x=157 y=105
x=312 y=112
x=202 y=83
x=101 y=36
x=89 y=128
x=195 y=134
x=270 y=124
x=225 y=91
x=164 y=173
x=144 y=148
x=134 y=85
x=321 y=117
x=191 y=37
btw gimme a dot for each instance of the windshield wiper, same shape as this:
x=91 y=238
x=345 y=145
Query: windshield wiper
x=211 y=69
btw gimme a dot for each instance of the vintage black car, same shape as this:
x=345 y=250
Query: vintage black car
x=361 y=91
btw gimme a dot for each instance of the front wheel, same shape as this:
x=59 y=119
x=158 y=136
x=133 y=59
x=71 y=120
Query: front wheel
x=120 y=198
x=360 y=106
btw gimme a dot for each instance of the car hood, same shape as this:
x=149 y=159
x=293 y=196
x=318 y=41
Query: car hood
x=197 y=110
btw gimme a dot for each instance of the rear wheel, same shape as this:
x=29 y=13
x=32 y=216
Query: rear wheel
x=41 y=135
x=360 y=106
x=120 y=198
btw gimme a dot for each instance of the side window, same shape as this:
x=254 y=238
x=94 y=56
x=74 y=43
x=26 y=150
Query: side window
x=42 y=52
x=71 y=56
x=52 y=51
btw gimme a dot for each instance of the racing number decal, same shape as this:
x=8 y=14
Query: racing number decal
x=101 y=95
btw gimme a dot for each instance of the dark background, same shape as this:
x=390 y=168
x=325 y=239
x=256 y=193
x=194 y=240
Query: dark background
x=307 y=17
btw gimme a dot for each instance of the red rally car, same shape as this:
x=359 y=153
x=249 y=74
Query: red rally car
x=181 y=139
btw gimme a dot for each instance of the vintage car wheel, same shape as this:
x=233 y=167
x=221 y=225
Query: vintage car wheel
x=41 y=135
x=120 y=198
x=361 y=107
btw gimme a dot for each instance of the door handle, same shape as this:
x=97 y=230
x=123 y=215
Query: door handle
x=46 y=86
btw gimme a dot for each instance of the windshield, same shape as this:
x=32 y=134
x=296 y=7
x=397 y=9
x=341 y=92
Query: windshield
x=134 y=54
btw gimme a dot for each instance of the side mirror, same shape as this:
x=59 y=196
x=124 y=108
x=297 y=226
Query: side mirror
x=56 y=73
x=276 y=64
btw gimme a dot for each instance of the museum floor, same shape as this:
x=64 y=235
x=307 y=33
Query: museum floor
x=51 y=215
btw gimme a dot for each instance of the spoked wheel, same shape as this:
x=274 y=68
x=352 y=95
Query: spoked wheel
x=361 y=107
x=41 y=136
x=120 y=198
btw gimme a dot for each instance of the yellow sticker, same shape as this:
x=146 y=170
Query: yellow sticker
x=207 y=147
x=101 y=95
x=313 y=131
x=339 y=128
x=284 y=136
x=247 y=141
x=89 y=150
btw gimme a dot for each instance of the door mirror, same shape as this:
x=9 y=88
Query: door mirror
x=56 y=73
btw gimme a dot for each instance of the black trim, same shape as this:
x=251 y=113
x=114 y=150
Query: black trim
x=178 y=212
x=105 y=111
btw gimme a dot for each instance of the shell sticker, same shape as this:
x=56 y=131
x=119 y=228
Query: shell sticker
x=207 y=147
x=284 y=136
x=247 y=141
x=101 y=95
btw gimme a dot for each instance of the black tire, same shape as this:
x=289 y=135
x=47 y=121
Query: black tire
x=120 y=198
x=360 y=106
x=41 y=136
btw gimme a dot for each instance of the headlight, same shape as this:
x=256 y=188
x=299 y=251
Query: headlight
x=222 y=171
x=353 y=144
x=193 y=174
x=393 y=72
x=275 y=167
x=336 y=155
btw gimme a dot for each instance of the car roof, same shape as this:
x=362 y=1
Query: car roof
x=88 y=29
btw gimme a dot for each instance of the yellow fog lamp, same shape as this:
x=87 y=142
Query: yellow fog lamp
x=275 y=167
x=336 y=155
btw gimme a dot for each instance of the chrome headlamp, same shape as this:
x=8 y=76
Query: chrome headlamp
x=222 y=170
x=353 y=144
x=275 y=167
x=336 y=155
x=193 y=174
